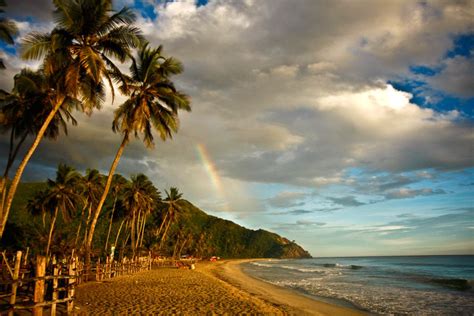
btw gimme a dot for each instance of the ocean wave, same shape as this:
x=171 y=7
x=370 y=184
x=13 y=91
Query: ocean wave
x=301 y=269
x=454 y=284
x=339 y=265
x=260 y=264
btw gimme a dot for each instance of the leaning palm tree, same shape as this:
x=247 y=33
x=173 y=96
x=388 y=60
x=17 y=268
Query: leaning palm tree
x=61 y=197
x=172 y=199
x=23 y=110
x=118 y=184
x=78 y=56
x=8 y=30
x=153 y=103
x=139 y=198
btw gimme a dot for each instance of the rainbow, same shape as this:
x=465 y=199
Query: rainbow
x=211 y=171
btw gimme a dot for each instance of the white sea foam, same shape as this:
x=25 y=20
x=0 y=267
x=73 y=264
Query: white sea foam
x=376 y=285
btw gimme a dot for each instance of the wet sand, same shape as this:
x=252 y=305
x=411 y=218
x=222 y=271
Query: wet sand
x=213 y=288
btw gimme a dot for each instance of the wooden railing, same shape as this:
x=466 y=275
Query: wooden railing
x=38 y=286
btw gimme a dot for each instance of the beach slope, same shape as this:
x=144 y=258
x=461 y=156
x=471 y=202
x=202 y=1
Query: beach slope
x=220 y=288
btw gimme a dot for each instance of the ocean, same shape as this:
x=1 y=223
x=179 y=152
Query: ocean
x=408 y=285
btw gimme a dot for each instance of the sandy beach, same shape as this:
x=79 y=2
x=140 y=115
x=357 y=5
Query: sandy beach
x=213 y=288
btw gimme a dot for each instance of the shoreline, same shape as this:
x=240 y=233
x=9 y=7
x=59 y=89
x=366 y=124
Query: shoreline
x=213 y=287
x=290 y=301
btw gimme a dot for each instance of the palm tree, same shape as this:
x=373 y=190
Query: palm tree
x=78 y=56
x=8 y=30
x=118 y=184
x=60 y=197
x=91 y=187
x=139 y=198
x=153 y=103
x=22 y=112
x=37 y=205
x=172 y=199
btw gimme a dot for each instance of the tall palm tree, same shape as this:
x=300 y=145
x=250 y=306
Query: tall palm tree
x=118 y=184
x=172 y=199
x=91 y=186
x=8 y=30
x=78 y=57
x=139 y=198
x=61 y=197
x=23 y=110
x=153 y=103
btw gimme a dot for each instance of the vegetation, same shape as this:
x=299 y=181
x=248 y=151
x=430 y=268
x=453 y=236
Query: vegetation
x=76 y=59
x=92 y=211
x=193 y=232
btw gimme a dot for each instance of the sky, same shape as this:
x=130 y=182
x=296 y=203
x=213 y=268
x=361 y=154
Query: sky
x=346 y=126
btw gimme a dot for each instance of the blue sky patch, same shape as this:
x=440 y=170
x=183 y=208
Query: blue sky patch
x=146 y=9
x=463 y=46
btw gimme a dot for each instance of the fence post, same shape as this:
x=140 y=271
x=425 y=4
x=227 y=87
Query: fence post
x=107 y=261
x=71 y=284
x=97 y=270
x=39 y=284
x=79 y=271
x=55 y=285
x=16 y=273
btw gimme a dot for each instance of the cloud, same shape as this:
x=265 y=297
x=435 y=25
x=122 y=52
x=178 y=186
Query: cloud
x=287 y=199
x=39 y=9
x=299 y=224
x=347 y=201
x=456 y=77
x=293 y=212
x=405 y=193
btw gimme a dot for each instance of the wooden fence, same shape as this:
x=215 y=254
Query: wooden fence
x=39 y=286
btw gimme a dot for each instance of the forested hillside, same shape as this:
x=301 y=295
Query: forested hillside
x=191 y=232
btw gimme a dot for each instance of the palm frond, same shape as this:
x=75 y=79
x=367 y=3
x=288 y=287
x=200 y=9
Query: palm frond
x=8 y=30
x=35 y=45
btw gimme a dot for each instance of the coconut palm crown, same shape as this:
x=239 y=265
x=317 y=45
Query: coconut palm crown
x=87 y=36
x=153 y=99
x=23 y=111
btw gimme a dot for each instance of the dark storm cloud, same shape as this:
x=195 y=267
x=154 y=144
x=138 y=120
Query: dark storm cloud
x=36 y=9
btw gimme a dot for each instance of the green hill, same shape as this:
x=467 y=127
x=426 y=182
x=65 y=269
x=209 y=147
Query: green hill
x=227 y=239
x=194 y=232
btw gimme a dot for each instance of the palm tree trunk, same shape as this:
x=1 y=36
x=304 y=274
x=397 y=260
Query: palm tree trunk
x=142 y=230
x=110 y=225
x=182 y=247
x=137 y=229
x=11 y=158
x=102 y=199
x=162 y=225
x=132 y=234
x=13 y=153
x=23 y=163
x=176 y=247
x=78 y=233
x=123 y=246
x=86 y=226
x=163 y=238
x=118 y=233
x=53 y=222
